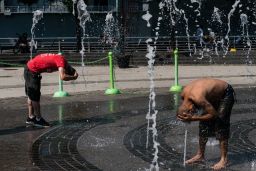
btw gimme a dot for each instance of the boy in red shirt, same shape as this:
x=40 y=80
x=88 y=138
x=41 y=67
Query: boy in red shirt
x=32 y=74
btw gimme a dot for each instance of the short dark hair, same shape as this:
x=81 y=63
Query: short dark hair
x=69 y=70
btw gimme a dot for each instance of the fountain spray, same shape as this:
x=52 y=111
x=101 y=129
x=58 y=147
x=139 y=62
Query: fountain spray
x=152 y=112
x=244 y=23
x=37 y=16
x=234 y=6
x=83 y=16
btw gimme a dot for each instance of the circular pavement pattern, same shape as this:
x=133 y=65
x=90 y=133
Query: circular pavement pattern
x=57 y=150
x=242 y=149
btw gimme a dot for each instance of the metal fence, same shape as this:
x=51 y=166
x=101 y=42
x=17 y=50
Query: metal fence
x=8 y=10
x=131 y=44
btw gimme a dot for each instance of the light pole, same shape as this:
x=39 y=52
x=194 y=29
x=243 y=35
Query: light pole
x=123 y=25
x=117 y=8
x=1 y=5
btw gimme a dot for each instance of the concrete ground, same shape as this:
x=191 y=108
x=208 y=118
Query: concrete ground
x=96 y=78
x=92 y=131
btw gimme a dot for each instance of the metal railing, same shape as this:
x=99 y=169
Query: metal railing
x=101 y=9
x=54 y=9
x=30 y=9
x=97 y=44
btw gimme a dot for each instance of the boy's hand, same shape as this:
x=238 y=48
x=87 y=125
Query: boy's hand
x=75 y=75
x=185 y=117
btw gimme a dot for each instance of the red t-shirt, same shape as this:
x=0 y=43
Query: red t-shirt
x=46 y=62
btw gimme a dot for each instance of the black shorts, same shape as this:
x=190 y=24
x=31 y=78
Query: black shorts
x=220 y=126
x=32 y=84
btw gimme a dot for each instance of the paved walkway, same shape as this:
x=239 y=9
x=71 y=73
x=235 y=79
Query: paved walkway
x=91 y=131
x=96 y=78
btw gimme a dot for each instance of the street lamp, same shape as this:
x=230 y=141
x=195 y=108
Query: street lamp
x=117 y=8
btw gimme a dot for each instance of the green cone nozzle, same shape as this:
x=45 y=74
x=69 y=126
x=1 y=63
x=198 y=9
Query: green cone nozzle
x=60 y=93
x=112 y=90
x=176 y=88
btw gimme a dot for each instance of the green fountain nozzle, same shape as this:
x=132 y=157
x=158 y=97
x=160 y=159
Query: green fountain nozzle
x=112 y=90
x=176 y=88
x=175 y=51
x=60 y=93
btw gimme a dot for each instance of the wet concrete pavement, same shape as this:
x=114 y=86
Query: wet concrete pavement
x=91 y=131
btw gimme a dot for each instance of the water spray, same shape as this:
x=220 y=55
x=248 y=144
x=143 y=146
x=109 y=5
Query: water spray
x=244 y=23
x=74 y=2
x=152 y=112
x=185 y=146
x=37 y=16
x=60 y=112
x=83 y=16
x=234 y=6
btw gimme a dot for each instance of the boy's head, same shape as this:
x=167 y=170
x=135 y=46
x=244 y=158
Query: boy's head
x=69 y=70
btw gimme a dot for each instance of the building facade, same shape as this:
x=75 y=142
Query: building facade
x=58 y=21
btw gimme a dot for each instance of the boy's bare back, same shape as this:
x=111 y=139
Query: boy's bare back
x=208 y=88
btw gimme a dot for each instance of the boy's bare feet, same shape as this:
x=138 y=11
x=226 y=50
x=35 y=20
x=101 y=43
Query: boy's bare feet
x=220 y=165
x=196 y=158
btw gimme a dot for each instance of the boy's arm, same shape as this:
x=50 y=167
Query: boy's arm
x=208 y=108
x=66 y=77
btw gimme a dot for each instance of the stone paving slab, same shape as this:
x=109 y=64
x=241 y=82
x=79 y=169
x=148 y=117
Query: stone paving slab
x=93 y=130
x=96 y=78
